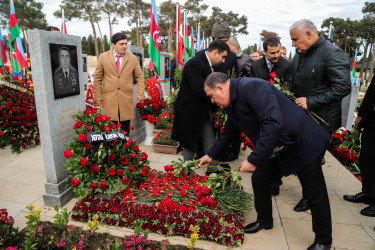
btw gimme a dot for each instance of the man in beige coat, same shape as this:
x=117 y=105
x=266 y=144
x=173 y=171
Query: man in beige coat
x=115 y=71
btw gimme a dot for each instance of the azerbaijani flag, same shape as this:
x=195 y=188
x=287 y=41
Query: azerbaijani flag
x=186 y=39
x=354 y=68
x=110 y=34
x=4 y=59
x=154 y=47
x=199 y=39
x=15 y=42
x=192 y=43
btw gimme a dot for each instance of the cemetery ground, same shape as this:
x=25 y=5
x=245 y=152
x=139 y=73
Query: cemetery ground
x=22 y=179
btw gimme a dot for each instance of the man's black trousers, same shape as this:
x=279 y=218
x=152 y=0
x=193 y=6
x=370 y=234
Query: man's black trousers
x=315 y=191
x=367 y=162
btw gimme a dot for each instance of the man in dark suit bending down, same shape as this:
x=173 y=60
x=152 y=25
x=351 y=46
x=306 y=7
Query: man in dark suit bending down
x=270 y=119
x=192 y=108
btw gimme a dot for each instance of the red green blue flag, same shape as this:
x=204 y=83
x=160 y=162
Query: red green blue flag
x=16 y=43
x=110 y=34
x=4 y=59
x=63 y=27
x=354 y=68
x=154 y=48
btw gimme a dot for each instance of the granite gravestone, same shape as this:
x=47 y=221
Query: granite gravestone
x=139 y=134
x=164 y=78
x=84 y=68
x=348 y=106
x=54 y=115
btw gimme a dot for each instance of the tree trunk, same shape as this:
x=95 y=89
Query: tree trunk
x=372 y=63
x=368 y=61
x=95 y=40
x=101 y=37
x=136 y=21
x=363 y=64
x=24 y=36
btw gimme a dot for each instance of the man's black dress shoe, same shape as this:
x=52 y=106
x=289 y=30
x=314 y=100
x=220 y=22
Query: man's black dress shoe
x=302 y=206
x=369 y=211
x=275 y=191
x=212 y=170
x=360 y=197
x=256 y=226
x=317 y=246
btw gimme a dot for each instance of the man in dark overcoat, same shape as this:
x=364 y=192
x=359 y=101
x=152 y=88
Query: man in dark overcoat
x=192 y=114
x=271 y=120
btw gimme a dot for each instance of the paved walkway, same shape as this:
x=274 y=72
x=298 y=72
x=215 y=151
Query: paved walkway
x=22 y=179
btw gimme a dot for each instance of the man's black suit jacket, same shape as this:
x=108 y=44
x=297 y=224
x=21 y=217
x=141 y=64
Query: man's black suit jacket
x=283 y=69
x=192 y=106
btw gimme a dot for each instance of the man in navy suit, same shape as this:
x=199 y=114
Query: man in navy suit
x=271 y=120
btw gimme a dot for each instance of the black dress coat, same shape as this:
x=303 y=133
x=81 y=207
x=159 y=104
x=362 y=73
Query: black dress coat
x=270 y=119
x=366 y=111
x=192 y=106
x=283 y=69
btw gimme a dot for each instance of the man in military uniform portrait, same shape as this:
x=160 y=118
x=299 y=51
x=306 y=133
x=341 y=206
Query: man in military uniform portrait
x=65 y=77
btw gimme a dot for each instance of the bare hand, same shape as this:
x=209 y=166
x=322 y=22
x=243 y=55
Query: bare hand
x=138 y=100
x=301 y=102
x=99 y=103
x=247 y=167
x=204 y=159
x=357 y=121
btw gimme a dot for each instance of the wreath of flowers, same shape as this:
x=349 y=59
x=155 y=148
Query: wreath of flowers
x=18 y=118
x=105 y=167
x=150 y=108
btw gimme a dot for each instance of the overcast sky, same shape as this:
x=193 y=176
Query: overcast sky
x=271 y=15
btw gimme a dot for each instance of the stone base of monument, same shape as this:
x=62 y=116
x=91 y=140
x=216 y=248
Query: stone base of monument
x=57 y=194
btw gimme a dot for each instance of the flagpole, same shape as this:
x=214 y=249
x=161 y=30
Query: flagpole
x=177 y=29
x=11 y=1
x=63 y=20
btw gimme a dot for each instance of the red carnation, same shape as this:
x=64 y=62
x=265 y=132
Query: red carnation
x=111 y=171
x=205 y=190
x=98 y=118
x=107 y=128
x=67 y=153
x=82 y=138
x=75 y=182
x=94 y=168
x=88 y=127
x=78 y=124
x=114 y=125
x=111 y=157
x=144 y=156
x=126 y=145
x=83 y=161
x=103 y=185
x=125 y=180
x=86 y=112
x=124 y=160
x=93 y=185
x=132 y=155
x=132 y=168
x=136 y=149
x=120 y=172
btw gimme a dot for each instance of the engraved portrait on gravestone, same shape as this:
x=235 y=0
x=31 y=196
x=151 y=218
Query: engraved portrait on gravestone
x=65 y=70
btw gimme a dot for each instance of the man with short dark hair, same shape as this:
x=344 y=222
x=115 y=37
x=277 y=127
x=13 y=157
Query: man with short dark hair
x=244 y=61
x=53 y=29
x=272 y=62
x=192 y=108
x=271 y=120
x=114 y=72
x=321 y=78
x=65 y=78
x=255 y=55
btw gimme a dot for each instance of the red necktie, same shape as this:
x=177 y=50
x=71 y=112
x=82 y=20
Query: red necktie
x=118 y=63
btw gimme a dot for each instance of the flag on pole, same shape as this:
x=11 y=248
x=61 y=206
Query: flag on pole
x=63 y=27
x=186 y=39
x=16 y=43
x=4 y=59
x=110 y=34
x=331 y=34
x=154 y=48
x=192 y=43
x=178 y=29
x=354 y=68
x=199 y=39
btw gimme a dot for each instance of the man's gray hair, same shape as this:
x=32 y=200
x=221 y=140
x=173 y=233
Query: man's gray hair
x=234 y=41
x=215 y=78
x=282 y=47
x=303 y=25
